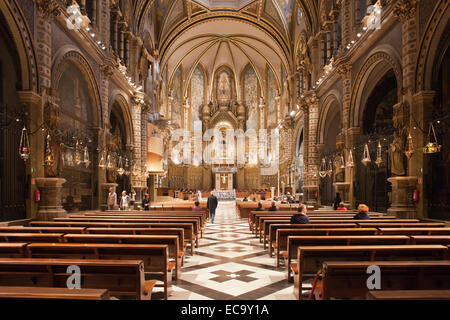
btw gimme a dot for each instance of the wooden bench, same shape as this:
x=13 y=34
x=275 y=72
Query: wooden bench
x=31 y=237
x=444 y=240
x=310 y=259
x=294 y=242
x=179 y=232
x=280 y=245
x=414 y=231
x=279 y=233
x=170 y=241
x=121 y=277
x=13 y=250
x=188 y=227
x=29 y=293
x=21 y=229
x=398 y=224
x=408 y=295
x=349 y=279
x=155 y=257
x=318 y=223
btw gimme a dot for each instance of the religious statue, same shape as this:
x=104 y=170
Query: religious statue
x=302 y=57
x=396 y=155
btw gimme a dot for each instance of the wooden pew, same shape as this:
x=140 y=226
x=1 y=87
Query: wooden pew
x=329 y=224
x=310 y=259
x=294 y=242
x=444 y=240
x=155 y=257
x=170 y=241
x=408 y=295
x=29 y=293
x=399 y=224
x=120 y=277
x=179 y=232
x=277 y=236
x=21 y=229
x=195 y=222
x=13 y=250
x=414 y=231
x=349 y=279
x=188 y=227
x=31 y=237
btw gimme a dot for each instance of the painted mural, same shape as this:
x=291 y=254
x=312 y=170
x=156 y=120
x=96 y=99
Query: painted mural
x=272 y=92
x=176 y=94
x=162 y=7
x=251 y=97
x=286 y=7
x=197 y=94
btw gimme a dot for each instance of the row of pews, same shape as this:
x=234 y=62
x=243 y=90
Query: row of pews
x=335 y=251
x=120 y=254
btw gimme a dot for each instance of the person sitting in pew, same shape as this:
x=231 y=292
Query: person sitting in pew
x=273 y=207
x=341 y=207
x=146 y=202
x=300 y=217
x=260 y=207
x=196 y=206
x=245 y=199
x=362 y=213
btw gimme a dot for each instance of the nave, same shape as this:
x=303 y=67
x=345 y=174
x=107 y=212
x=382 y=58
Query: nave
x=231 y=264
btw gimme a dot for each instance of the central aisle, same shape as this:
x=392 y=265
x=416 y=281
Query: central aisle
x=231 y=264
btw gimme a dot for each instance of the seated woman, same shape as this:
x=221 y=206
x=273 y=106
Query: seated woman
x=363 y=213
x=273 y=207
x=196 y=206
x=341 y=207
x=300 y=217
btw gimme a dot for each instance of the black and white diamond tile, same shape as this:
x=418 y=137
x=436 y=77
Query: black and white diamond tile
x=231 y=264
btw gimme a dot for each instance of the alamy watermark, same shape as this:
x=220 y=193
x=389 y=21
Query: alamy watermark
x=374 y=280
x=74 y=280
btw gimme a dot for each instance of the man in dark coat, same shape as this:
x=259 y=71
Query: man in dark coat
x=211 y=204
x=300 y=217
x=260 y=207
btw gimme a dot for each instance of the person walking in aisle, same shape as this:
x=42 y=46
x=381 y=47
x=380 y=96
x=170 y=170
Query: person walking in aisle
x=211 y=204
x=112 y=199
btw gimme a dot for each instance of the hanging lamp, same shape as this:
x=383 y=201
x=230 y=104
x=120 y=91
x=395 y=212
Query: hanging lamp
x=330 y=168
x=379 y=159
x=120 y=169
x=350 y=162
x=323 y=169
x=432 y=147
x=24 y=147
x=86 y=157
x=77 y=153
x=102 y=162
x=409 y=147
x=49 y=160
x=366 y=155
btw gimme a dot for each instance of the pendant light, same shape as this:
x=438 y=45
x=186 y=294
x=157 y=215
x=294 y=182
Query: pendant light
x=49 y=160
x=120 y=169
x=24 y=147
x=77 y=153
x=323 y=169
x=379 y=159
x=409 y=147
x=109 y=163
x=330 y=168
x=366 y=155
x=432 y=147
x=350 y=162
x=102 y=162
x=86 y=157
x=342 y=165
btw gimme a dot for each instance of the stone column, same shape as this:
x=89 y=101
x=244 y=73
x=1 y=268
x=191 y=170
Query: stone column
x=104 y=23
x=346 y=18
x=50 y=205
x=34 y=166
x=344 y=71
x=138 y=157
x=402 y=204
x=121 y=44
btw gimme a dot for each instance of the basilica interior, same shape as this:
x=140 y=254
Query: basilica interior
x=262 y=100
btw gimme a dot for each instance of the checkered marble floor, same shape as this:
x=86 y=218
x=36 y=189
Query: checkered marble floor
x=231 y=264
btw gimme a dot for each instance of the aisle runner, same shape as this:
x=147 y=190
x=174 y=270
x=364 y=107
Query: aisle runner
x=231 y=264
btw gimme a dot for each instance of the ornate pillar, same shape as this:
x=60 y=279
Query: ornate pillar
x=138 y=156
x=402 y=187
x=346 y=19
x=121 y=44
x=344 y=71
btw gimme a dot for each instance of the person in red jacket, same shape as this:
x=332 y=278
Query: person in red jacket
x=341 y=207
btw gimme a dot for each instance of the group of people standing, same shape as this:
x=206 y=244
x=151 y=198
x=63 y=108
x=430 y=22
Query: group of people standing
x=126 y=201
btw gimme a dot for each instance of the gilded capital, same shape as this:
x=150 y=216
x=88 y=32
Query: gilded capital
x=48 y=8
x=405 y=9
